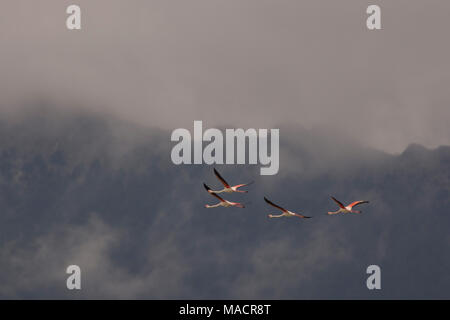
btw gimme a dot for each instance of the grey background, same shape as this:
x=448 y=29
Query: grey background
x=241 y=62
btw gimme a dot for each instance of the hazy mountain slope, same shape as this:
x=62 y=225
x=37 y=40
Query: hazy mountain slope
x=89 y=190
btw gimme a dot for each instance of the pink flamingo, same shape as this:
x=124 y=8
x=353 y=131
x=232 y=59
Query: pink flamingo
x=286 y=213
x=228 y=188
x=349 y=208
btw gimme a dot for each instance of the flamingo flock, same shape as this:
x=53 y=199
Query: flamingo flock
x=284 y=212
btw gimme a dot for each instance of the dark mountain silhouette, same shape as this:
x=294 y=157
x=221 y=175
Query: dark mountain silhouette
x=79 y=188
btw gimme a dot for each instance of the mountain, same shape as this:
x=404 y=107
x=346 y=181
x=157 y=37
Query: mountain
x=102 y=193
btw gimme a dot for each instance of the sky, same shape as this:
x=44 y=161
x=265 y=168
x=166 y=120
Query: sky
x=85 y=170
x=311 y=64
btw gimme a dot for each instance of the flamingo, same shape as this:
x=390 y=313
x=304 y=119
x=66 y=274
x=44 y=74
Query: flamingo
x=349 y=208
x=223 y=202
x=228 y=188
x=286 y=213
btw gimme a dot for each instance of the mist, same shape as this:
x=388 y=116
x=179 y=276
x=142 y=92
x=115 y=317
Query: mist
x=309 y=64
x=74 y=191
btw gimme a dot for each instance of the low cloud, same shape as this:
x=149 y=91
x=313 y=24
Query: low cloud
x=136 y=224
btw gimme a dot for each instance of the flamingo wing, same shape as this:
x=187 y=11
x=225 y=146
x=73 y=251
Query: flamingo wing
x=243 y=185
x=221 y=179
x=239 y=205
x=302 y=216
x=274 y=205
x=354 y=204
x=338 y=202
x=212 y=193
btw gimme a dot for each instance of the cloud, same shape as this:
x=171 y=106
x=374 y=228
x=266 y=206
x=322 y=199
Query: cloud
x=249 y=64
x=285 y=266
x=36 y=268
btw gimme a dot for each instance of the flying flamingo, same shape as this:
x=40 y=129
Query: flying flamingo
x=286 y=213
x=228 y=188
x=223 y=202
x=349 y=208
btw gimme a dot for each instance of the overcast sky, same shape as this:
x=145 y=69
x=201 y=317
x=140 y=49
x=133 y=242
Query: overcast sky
x=238 y=63
x=100 y=191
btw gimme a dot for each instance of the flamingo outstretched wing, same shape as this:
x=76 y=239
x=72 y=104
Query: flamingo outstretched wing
x=212 y=193
x=274 y=205
x=302 y=216
x=338 y=202
x=242 y=185
x=354 y=204
x=239 y=205
x=221 y=179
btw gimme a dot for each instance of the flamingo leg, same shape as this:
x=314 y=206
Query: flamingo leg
x=213 y=206
x=218 y=191
x=276 y=216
